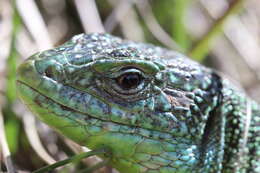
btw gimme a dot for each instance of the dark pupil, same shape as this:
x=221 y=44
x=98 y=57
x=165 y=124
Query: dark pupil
x=129 y=81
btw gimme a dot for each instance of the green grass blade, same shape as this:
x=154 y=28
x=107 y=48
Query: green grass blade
x=75 y=158
x=202 y=47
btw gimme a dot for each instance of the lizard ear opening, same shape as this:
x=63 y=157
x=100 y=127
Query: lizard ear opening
x=213 y=136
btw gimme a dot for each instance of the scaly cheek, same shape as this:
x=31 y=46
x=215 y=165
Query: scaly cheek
x=132 y=152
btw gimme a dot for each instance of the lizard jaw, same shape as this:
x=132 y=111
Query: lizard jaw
x=125 y=141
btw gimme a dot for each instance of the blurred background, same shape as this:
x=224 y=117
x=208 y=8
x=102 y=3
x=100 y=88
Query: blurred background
x=222 y=34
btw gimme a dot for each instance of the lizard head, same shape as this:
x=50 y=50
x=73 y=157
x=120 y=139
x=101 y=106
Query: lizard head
x=148 y=105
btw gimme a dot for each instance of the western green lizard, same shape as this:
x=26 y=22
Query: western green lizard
x=154 y=109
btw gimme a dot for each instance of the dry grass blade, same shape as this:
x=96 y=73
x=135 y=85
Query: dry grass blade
x=4 y=146
x=23 y=41
x=34 y=139
x=89 y=16
x=119 y=12
x=154 y=27
x=34 y=22
x=131 y=27
x=6 y=32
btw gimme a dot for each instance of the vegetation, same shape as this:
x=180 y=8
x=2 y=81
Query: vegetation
x=222 y=34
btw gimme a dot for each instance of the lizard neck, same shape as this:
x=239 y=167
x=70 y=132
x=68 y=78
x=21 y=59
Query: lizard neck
x=213 y=142
x=213 y=139
x=237 y=115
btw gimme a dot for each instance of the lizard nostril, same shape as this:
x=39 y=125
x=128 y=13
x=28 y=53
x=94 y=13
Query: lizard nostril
x=49 y=72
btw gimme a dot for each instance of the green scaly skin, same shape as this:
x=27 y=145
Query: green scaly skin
x=180 y=117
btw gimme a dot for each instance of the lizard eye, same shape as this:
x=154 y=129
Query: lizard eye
x=129 y=81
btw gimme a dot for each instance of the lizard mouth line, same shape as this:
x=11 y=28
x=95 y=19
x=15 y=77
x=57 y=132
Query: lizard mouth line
x=62 y=106
x=83 y=115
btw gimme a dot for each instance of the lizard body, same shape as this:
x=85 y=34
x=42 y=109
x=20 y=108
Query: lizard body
x=156 y=110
